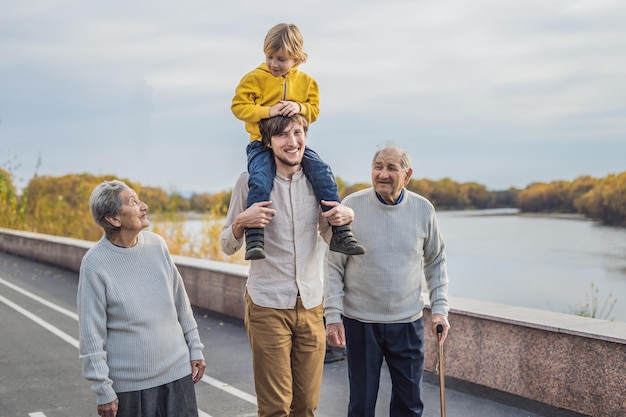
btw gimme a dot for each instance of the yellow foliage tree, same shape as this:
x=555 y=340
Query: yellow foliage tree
x=156 y=199
x=606 y=201
x=9 y=204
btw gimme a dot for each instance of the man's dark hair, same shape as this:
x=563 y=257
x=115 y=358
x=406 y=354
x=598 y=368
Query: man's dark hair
x=277 y=124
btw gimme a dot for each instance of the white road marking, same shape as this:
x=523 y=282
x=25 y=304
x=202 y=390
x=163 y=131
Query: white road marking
x=43 y=301
x=69 y=339
x=54 y=330
x=229 y=389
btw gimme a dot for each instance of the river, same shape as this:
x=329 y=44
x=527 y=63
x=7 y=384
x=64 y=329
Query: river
x=542 y=262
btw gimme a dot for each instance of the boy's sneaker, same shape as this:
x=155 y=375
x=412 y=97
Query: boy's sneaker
x=343 y=241
x=255 y=244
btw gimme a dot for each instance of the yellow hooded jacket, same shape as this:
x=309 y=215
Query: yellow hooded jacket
x=258 y=90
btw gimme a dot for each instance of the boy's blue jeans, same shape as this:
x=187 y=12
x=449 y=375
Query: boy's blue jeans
x=262 y=169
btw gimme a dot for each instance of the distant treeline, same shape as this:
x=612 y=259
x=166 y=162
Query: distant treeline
x=447 y=194
x=601 y=199
x=59 y=205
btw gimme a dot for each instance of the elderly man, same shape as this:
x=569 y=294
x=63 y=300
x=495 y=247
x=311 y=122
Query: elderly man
x=373 y=302
x=284 y=314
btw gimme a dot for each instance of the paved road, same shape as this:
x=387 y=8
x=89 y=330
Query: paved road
x=40 y=370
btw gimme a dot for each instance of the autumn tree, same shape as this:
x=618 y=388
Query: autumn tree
x=477 y=195
x=540 y=197
x=606 y=201
x=220 y=202
x=599 y=199
x=446 y=194
x=10 y=210
x=177 y=202
x=423 y=187
x=200 y=203
x=578 y=188
x=353 y=188
x=157 y=200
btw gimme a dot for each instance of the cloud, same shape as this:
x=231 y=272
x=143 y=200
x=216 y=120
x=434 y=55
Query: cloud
x=503 y=93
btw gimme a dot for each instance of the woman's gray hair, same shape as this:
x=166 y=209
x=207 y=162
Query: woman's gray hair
x=405 y=160
x=105 y=202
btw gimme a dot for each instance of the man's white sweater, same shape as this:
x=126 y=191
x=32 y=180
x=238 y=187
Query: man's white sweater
x=384 y=285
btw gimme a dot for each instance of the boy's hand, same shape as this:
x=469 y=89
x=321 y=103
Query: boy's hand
x=285 y=108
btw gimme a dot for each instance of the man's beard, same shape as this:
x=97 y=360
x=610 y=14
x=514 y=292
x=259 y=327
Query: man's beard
x=288 y=162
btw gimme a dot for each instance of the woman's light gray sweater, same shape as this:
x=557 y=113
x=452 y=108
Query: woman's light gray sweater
x=137 y=329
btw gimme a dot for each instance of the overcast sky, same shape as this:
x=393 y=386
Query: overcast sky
x=501 y=92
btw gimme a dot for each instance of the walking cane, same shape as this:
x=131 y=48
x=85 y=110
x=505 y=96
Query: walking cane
x=442 y=387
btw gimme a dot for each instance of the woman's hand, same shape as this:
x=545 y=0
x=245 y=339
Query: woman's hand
x=109 y=409
x=197 y=370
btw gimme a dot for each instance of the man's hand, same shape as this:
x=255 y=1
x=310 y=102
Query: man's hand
x=443 y=320
x=335 y=334
x=197 y=370
x=108 y=410
x=339 y=214
x=257 y=216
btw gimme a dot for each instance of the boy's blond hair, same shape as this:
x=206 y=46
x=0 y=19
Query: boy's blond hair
x=285 y=37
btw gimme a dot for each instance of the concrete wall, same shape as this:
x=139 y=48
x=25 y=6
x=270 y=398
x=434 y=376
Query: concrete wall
x=216 y=286
x=565 y=361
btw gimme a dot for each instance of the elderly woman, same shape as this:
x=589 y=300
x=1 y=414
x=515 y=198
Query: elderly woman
x=139 y=341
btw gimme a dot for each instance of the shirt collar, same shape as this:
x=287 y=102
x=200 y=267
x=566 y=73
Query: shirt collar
x=398 y=201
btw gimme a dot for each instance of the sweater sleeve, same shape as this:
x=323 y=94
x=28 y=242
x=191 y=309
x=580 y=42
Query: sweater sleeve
x=311 y=107
x=238 y=201
x=244 y=104
x=435 y=268
x=334 y=269
x=92 y=334
x=185 y=316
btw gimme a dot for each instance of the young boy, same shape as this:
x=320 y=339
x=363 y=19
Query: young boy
x=274 y=88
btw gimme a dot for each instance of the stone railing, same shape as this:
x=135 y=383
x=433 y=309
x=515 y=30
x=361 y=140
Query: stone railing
x=216 y=286
x=565 y=361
